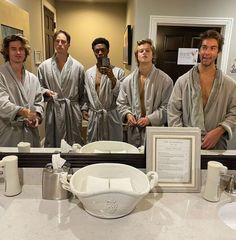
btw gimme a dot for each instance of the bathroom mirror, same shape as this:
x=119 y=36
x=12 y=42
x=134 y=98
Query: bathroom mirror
x=39 y=159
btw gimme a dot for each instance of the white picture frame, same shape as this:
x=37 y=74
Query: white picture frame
x=37 y=57
x=174 y=153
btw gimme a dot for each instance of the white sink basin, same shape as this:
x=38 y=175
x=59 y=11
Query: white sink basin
x=109 y=147
x=227 y=214
x=2 y=211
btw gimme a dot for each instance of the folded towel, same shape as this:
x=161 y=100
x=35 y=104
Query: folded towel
x=122 y=184
x=101 y=151
x=118 y=151
x=95 y=184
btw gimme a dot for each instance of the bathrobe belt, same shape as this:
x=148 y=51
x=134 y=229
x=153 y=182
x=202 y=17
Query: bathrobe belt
x=102 y=124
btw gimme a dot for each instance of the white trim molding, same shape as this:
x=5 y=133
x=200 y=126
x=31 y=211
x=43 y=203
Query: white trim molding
x=226 y=25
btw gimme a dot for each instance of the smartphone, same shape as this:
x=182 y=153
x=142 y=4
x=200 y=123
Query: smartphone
x=104 y=62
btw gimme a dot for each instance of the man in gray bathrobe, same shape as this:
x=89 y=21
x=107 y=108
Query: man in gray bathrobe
x=102 y=82
x=205 y=97
x=144 y=95
x=21 y=100
x=62 y=81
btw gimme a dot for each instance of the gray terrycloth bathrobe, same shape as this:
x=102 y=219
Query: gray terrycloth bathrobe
x=157 y=90
x=104 y=120
x=63 y=119
x=14 y=95
x=185 y=108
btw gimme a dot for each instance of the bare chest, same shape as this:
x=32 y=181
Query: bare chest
x=98 y=81
x=141 y=85
x=206 y=83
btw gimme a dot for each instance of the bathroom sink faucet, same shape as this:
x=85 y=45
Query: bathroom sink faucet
x=231 y=185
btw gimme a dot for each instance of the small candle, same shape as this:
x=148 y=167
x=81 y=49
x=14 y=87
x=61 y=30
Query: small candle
x=23 y=147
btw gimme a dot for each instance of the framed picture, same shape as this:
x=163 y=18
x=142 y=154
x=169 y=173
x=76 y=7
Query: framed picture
x=174 y=153
x=37 y=57
x=127 y=49
x=7 y=31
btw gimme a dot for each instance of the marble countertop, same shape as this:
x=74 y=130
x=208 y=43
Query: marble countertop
x=174 y=216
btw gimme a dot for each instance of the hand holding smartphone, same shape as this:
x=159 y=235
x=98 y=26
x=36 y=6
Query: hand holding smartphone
x=104 y=62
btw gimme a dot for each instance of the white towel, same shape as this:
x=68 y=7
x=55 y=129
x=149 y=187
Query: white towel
x=118 y=151
x=101 y=151
x=122 y=184
x=95 y=184
x=65 y=147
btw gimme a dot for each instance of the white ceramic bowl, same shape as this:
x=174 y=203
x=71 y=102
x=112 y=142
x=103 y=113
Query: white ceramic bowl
x=109 y=147
x=110 y=203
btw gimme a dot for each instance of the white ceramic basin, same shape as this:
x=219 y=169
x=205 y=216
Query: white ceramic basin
x=227 y=214
x=109 y=147
x=108 y=194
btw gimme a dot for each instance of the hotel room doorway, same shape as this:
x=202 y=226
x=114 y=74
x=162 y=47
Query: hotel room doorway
x=169 y=40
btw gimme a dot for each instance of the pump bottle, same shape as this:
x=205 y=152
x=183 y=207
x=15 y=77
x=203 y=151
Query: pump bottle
x=11 y=176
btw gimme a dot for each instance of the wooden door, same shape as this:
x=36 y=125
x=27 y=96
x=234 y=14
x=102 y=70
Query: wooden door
x=169 y=40
x=49 y=26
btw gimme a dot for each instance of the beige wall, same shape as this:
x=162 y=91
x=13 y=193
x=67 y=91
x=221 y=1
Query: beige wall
x=86 y=21
x=15 y=17
x=130 y=14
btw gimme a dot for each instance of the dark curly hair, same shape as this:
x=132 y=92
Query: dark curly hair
x=101 y=40
x=12 y=38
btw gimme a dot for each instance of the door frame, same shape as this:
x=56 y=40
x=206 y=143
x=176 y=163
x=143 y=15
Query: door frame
x=226 y=25
x=46 y=4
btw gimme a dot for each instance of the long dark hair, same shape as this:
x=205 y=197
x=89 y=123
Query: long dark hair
x=12 y=38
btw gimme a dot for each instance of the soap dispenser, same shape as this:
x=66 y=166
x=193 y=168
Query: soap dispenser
x=11 y=176
x=212 y=189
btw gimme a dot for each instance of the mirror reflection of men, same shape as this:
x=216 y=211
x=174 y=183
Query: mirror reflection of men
x=21 y=100
x=144 y=95
x=102 y=83
x=205 y=97
x=62 y=81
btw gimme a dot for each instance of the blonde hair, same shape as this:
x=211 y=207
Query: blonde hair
x=144 y=41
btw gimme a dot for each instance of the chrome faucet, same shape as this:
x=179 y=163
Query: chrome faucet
x=231 y=186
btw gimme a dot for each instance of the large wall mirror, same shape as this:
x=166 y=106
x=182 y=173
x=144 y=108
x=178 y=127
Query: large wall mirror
x=20 y=20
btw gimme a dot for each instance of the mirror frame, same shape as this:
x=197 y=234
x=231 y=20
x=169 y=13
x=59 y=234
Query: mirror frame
x=39 y=160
